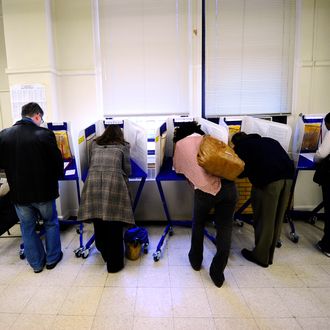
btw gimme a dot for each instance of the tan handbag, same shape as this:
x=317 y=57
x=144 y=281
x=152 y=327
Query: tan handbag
x=132 y=250
x=218 y=159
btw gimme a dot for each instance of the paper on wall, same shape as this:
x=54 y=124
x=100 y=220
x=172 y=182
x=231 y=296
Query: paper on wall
x=23 y=94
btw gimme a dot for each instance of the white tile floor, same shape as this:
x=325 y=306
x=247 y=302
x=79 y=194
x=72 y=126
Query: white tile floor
x=294 y=293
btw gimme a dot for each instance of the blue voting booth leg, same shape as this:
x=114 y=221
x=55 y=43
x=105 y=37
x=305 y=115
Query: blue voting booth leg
x=240 y=218
x=170 y=224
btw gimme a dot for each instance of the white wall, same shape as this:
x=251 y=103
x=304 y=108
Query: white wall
x=5 y=117
x=313 y=63
x=58 y=48
x=52 y=42
x=75 y=62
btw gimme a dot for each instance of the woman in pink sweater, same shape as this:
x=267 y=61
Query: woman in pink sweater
x=210 y=192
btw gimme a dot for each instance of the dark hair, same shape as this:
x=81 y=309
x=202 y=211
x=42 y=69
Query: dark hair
x=185 y=129
x=327 y=118
x=31 y=109
x=112 y=135
x=237 y=137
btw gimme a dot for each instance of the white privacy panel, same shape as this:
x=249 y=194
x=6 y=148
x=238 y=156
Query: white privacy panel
x=280 y=132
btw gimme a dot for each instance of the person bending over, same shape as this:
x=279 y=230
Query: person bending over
x=209 y=192
x=106 y=198
x=270 y=171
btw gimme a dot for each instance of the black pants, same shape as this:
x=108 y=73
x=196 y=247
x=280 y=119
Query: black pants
x=8 y=216
x=325 y=242
x=109 y=241
x=224 y=205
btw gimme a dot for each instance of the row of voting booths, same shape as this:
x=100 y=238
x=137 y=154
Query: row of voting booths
x=301 y=145
x=159 y=194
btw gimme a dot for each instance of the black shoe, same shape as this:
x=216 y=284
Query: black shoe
x=248 y=256
x=114 y=269
x=319 y=247
x=53 y=265
x=40 y=269
x=217 y=280
x=195 y=266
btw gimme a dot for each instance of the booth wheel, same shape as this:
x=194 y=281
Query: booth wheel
x=239 y=223
x=313 y=219
x=294 y=237
x=78 y=252
x=156 y=256
x=145 y=248
x=279 y=243
x=170 y=232
x=85 y=253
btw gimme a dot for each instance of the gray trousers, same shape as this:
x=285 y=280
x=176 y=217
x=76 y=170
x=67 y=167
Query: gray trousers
x=269 y=205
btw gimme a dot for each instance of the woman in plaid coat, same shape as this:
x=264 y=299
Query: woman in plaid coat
x=106 y=198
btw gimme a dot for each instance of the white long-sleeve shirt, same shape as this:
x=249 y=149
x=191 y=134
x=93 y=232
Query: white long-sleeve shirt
x=324 y=148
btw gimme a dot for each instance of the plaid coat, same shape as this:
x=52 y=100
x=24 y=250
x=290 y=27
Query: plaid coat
x=106 y=194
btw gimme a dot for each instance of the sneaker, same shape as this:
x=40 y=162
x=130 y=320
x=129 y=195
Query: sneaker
x=53 y=265
x=319 y=247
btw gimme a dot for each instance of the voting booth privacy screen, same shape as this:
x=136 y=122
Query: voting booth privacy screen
x=68 y=202
x=280 y=132
x=134 y=134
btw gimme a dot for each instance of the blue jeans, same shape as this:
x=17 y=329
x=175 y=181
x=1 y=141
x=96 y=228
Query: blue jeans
x=28 y=215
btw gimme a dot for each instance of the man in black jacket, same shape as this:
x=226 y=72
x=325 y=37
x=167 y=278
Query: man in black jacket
x=33 y=164
x=270 y=171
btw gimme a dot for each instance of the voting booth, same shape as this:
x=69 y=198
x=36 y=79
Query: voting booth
x=68 y=202
x=133 y=133
x=266 y=128
x=308 y=134
x=263 y=127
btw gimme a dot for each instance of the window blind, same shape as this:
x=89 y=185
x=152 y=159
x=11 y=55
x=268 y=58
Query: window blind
x=249 y=56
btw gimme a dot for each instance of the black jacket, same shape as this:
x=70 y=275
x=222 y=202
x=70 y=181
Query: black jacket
x=265 y=160
x=32 y=162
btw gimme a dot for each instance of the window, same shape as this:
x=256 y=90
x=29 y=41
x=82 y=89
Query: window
x=249 y=54
x=145 y=48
